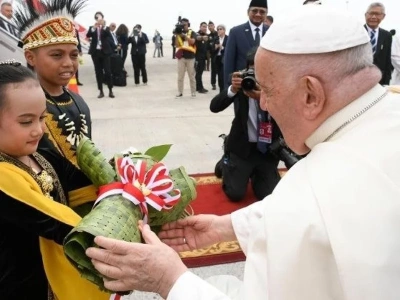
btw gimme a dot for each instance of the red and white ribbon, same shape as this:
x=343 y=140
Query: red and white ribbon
x=141 y=187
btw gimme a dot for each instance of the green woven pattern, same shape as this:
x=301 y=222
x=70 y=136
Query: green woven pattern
x=93 y=164
x=187 y=187
x=113 y=217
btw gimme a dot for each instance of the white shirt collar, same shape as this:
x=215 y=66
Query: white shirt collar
x=370 y=29
x=342 y=116
x=253 y=27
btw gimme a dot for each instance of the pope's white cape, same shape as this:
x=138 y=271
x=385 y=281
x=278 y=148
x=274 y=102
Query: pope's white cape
x=331 y=228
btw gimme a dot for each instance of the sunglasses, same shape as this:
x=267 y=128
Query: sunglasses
x=258 y=11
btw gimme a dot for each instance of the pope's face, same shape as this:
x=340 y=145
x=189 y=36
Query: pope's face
x=279 y=96
x=374 y=16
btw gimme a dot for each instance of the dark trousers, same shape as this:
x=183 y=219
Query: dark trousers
x=219 y=66
x=139 y=66
x=124 y=55
x=213 y=70
x=162 y=51
x=200 y=65
x=261 y=170
x=173 y=52
x=102 y=67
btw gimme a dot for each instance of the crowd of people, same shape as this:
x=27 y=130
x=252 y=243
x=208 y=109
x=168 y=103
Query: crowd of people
x=328 y=230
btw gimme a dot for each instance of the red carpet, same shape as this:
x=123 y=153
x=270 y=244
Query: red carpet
x=212 y=200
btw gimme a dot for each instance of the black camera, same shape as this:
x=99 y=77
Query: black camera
x=281 y=151
x=179 y=27
x=249 y=79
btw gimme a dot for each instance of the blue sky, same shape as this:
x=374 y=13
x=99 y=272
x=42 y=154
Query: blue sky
x=162 y=14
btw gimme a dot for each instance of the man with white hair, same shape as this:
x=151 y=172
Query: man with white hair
x=331 y=228
x=381 y=40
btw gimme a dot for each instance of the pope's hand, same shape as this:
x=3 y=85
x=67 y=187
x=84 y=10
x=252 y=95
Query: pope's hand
x=193 y=232
x=151 y=267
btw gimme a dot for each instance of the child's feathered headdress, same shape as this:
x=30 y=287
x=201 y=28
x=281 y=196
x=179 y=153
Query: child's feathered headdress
x=47 y=22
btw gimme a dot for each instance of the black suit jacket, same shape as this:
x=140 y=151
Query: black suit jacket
x=383 y=54
x=224 y=42
x=239 y=43
x=238 y=140
x=107 y=42
x=139 y=47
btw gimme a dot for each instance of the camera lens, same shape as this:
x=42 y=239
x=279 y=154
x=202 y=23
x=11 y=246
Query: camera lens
x=248 y=83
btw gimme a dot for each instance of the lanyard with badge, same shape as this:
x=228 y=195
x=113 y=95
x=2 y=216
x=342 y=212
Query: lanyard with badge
x=265 y=128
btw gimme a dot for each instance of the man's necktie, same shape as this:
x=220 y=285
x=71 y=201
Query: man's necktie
x=257 y=38
x=373 y=40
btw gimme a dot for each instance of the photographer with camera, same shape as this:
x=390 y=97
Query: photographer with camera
x=186 y=50
x=247 y=156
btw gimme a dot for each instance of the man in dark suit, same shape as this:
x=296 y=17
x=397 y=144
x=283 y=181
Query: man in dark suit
x=244 y=37
x=101 y=48
x=139 y=39
x=220 y=45
x=253 y=130
x=381 y=40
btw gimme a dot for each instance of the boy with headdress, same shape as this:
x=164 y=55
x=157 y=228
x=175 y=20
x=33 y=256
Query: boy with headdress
x=48 y=38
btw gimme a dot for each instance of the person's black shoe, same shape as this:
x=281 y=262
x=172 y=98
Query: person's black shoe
x=79 y=83
x=101 y=95
x=203 y=91
x=111 y=94
x=218 y=168
x=214 y=87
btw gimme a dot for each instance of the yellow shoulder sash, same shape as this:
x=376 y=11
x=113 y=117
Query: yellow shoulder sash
x=63 y=278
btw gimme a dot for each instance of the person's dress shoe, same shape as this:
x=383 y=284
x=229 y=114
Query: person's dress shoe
x=111 y=95
x=214 y=87
x=101 y=95
x=218 y=168
x=178 y=96
x=79 y=83
x=203 y=91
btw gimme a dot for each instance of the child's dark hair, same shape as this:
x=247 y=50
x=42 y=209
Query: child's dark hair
x=12 y=72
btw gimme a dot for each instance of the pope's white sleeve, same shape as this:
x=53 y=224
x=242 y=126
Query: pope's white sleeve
x=190 y=286
x=396 y=53
x=243 y=220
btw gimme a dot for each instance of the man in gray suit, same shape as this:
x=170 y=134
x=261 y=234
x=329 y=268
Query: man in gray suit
x=244 y=37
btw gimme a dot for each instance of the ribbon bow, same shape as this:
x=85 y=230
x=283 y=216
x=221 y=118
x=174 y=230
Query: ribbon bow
x=142 y=187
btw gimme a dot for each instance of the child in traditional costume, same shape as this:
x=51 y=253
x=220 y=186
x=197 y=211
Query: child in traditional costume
x=37 y=193
x=50 y=44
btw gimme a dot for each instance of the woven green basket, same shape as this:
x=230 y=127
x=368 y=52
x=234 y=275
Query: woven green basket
x=113 y=217
x=93 y=164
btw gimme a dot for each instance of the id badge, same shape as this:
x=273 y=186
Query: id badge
x=265 y=134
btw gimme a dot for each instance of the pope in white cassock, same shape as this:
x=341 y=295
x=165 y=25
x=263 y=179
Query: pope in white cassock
x=331 y=228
